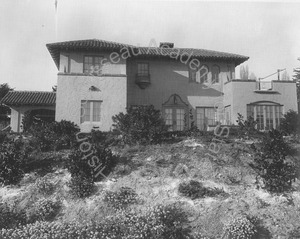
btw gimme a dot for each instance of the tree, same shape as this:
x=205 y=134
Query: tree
x=244 y=72
x=252 y=76
x=296 y=77
x=5 y=110
x=285 y=76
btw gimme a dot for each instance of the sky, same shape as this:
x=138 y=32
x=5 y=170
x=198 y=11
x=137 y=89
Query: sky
x=267 y=32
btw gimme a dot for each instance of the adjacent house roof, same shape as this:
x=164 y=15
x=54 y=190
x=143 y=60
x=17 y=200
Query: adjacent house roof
x=98 y=45
x=38 y=98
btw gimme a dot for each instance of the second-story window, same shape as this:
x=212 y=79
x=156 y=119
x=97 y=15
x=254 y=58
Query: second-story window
x=92 y=65
x=143 y=69
x=215 y=74
x=200 y=75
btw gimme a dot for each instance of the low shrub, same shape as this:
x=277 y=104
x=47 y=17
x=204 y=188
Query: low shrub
x=81 y=187
x=10 y=217
x=241 y=227
x=3 y=136
x=270 y=162
x=141 y=124
x=89 y=164
x=44 y=186
x=121 y=198
x=247 y=128
x=43 y=209
x=194 y=189
x=43 y=162
x=11 y=162
x=290 y=122
x=54 y=135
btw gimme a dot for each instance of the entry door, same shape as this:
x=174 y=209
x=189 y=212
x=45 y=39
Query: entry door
x=174 y=118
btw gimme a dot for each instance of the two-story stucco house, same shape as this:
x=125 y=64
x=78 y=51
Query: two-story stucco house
x=98 y=79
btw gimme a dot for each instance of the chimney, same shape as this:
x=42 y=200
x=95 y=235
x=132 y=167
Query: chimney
x=166 y=45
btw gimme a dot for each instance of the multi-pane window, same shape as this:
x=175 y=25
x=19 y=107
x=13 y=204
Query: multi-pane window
x=179 y=119
x=143 y=69
x=250 y=111
x=200 y=75
x=90 y=111
x=203 y=74
x=205 y=117
x=267 y=116
x=260 y=117
x=278 y=115
x=92 y=64
x=215 y=71
x=174 y=117
x=168 y=117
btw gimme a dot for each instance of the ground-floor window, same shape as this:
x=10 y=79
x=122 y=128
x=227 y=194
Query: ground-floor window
x=175 y=118
x=90 y=111
x=267 y=115
x=205 y=116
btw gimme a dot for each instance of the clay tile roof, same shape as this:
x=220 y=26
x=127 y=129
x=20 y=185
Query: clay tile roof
x=18 y=98
x=97 y=45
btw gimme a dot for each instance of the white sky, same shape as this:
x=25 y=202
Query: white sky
x=269 y=33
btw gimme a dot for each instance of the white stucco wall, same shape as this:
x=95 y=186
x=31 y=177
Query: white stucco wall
x=71 y=89
x=240 y=93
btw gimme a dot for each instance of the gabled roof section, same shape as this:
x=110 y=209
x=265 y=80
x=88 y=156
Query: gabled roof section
x=97 y=45
x=37 y=98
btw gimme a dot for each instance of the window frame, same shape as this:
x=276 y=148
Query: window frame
x=204 y=123
x=93 y=63
x=194 y=72
x=91 y=111
x=212 y=74
x=137 y=68
x=268 y=114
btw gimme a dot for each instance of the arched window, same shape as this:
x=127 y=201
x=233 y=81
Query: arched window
x=215 y=74
x=203 y=74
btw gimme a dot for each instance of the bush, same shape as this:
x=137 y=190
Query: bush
x=44 y=186
x=194 y=189
x=121 y=198
x=80 y=163
x=142 y=124
x=3 y=136
x=81 y=187
x=11 y=162
x=241 y=227
x=10 y=217
x=270 y=161
x=247 y=127
x=43 y=209
x=290 y=124
x=54 y=135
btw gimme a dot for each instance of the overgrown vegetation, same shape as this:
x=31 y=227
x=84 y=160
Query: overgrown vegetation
x=241 y=227
x=81 y=186
x=277 y=172
x=194 y=189
x=11 y=162
x=141 y=124
x=121 y=198
x=247 y=128
x=290 y=123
